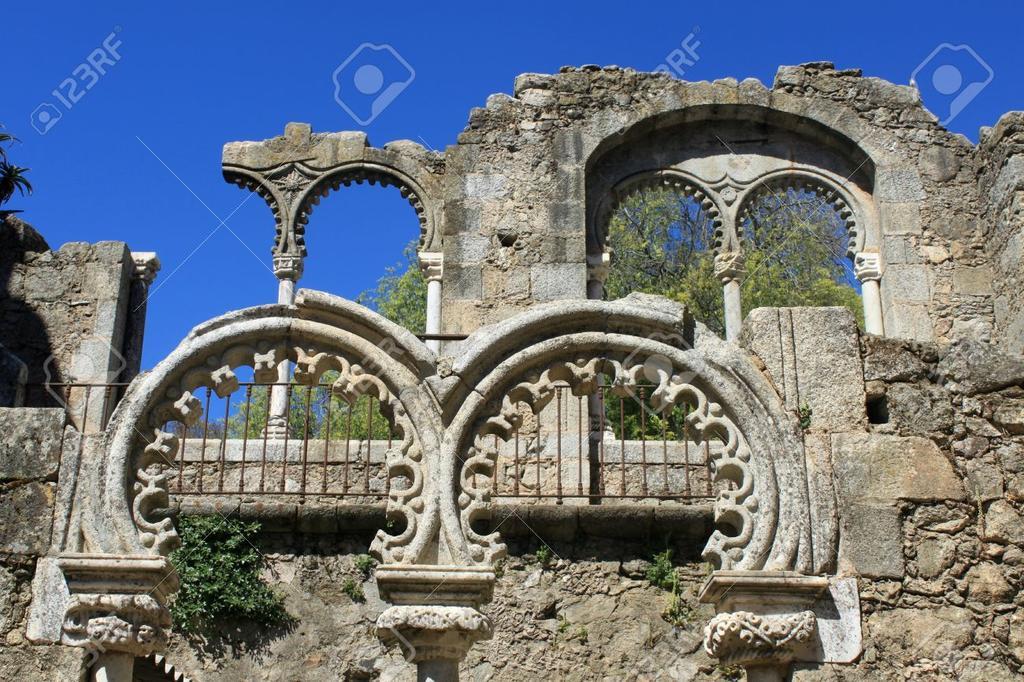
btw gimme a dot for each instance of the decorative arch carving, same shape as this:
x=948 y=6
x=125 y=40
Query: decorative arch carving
x=683 y=183
x=761 y=451
x=371 y=356
x=294 y=172
x=842 y=200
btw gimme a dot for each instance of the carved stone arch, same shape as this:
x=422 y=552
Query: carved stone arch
x=763 y=453
x=671 y=178
x=292 y=173
x=319 y=333
x=874 y=152
x=854 y=207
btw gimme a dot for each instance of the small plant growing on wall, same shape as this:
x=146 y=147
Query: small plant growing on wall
x=353 y=590
x=219 y=569
x=365 y=564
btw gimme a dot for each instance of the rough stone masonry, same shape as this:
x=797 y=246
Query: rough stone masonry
x=855 y=507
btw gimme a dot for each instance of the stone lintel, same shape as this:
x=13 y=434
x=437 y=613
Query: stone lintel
x=785 y=590
x=409 y=585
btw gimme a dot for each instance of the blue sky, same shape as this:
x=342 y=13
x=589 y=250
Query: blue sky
x=137 y=156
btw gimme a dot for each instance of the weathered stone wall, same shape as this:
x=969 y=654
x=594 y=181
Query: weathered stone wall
x=30 y=454
x=521 y=193
x=1001 y=183
x=65 y=312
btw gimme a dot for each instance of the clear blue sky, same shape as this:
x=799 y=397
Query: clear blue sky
x=188 y=81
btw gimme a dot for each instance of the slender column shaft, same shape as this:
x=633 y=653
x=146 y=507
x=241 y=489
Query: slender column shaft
x=288 y=270
x=437 y=670
x=113 y=666
x=867 y=267
x=872 y=307
x=733 y=309
x=434 y=312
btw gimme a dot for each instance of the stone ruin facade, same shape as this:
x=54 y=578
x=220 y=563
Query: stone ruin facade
x=857 y=494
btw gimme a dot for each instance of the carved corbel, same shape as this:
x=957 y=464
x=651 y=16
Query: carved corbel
x=745 y=638
x=730 y=267
x=117 y=604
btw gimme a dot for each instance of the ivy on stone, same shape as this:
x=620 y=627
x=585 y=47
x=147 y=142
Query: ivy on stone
x=219 y=569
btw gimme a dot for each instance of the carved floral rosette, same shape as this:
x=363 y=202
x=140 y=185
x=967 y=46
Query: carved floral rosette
x=433 y=632
x=130 y=623
x=743 y=637
x=149 y=500
x=730 y=453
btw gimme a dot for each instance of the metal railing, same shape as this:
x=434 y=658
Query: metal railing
x=602 y=447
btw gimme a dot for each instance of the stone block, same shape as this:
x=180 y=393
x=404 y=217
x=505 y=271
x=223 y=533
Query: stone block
x=871 y=541
x=900 y=217
x=486 y=186
x=1003 y=524
x=973 y=281
x=935 y=555
x=1010 y=415
x=553 y=282
x=889 y=360
x=881 y=468
x=26 y=513
x=987 y=584
x=813 y=357
x=984 y=481
x=31 y=444
x=911 y=634
x=978 y=367
x=908 y=283
x=919 y=408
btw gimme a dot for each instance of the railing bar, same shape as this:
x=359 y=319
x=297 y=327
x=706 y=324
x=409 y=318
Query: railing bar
x=369 y=435
x=245 y=435
x=287 y=429
x=181 y=466
x=348 y=442
x=579 y=444
x=224 y=444
x=305 y=437
x=85 y=408
x=266 y=434
x=601 y=489
x=622 y=444
x=206 y=430
x=558 y=440
x=664 y=451
x=515 y=480
x=327 y=440
x=494 y=472
x=643 y=442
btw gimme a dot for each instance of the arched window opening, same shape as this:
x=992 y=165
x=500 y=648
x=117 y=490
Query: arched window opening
x=796 y=246
x=663 y=241
x=363 y=244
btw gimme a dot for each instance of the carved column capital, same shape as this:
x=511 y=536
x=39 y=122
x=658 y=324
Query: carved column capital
x=432 y=265
x=427 y=633
x=867 y=266
x=288 y=266
x=146 y=266
x=117 y=603
x=745 y=638
x=598 y=266
x=730 y=267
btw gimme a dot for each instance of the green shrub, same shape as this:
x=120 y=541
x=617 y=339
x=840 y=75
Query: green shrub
x=365 y=565
x=543 y=555
x=661 y=573
x=354 y=590
x=219 y=569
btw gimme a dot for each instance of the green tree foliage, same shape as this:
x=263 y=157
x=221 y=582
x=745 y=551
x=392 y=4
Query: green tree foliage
x=219 y=569
x=12 y=177
x=793 y=244
x=401 y=294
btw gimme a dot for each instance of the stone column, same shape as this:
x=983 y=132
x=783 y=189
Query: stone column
x=113 y=666
x=115 y=607
x=867 y=267
x=432 y=266
x=598 y=267
x=288 y=270
x=434 y=618
x=435 y=638
x=765 y=621
x=729 y=268
x=146 y=266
